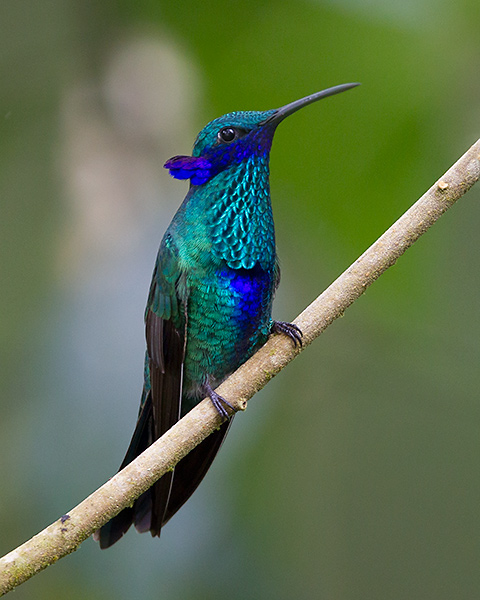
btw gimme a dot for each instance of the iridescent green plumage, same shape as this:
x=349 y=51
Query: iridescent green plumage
x=210 y=302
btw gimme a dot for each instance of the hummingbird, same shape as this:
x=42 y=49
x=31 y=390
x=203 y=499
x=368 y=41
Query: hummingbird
x=210 y=302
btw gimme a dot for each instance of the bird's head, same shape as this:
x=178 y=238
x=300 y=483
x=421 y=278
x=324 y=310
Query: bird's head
x=235 y=137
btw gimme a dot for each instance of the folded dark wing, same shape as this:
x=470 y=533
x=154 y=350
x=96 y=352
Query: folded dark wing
x=162 y=394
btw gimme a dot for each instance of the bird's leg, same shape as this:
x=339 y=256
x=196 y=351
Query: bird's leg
x=218 y=401
x=290 y=329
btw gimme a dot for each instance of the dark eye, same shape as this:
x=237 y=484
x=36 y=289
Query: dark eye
x=227 y=135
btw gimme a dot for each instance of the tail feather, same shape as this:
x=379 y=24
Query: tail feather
x=158 y=504
x=190 y=471
x=142 y=437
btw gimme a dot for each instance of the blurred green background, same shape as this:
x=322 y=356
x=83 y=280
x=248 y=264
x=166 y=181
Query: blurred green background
x=353 y=475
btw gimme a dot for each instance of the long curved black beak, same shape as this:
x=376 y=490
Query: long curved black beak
x=289 y=109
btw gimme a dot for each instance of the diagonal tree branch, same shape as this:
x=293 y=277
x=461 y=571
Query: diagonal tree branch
x=66 y=534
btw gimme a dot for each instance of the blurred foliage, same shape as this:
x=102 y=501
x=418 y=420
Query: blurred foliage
x=355 y=474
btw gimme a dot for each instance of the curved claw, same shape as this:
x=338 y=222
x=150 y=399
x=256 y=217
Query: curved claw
x=219 y=402
x=293 y=331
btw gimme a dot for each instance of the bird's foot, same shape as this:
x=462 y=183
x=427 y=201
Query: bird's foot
x=219 y=402
x=290 y=329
